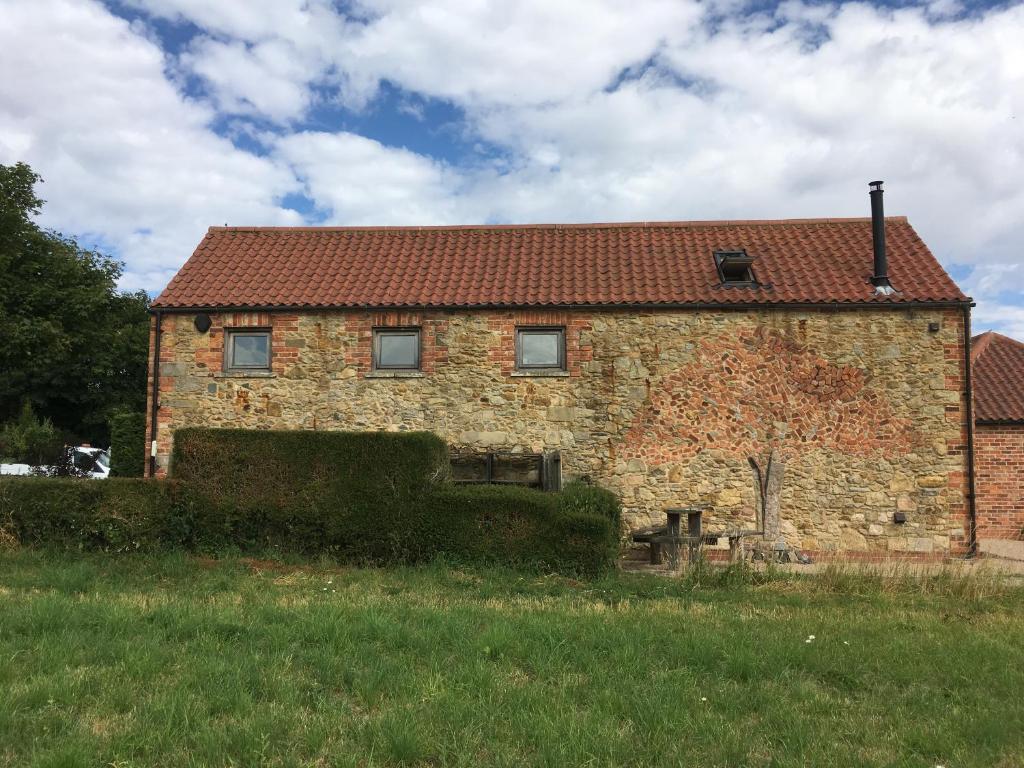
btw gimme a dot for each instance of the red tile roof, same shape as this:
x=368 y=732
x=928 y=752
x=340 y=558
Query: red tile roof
x=671 y=263
x=998 y=367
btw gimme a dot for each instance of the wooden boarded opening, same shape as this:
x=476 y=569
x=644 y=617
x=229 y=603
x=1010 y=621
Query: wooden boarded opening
x=532 y=470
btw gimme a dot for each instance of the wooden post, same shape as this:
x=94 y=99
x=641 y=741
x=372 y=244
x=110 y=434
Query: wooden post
x=769 y=494
x=656 y=553
x=773 y=497
x=735 y=549
x=673 y=516
x=695 y=530
x=551 y=471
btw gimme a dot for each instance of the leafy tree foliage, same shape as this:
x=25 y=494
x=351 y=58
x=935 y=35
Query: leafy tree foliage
x=29 y=439
x=74 y=346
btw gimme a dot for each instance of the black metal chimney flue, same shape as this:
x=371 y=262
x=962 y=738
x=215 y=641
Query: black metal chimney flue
x=880 y=278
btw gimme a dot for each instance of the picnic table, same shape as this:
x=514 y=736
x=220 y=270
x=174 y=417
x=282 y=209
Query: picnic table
x=669 y=539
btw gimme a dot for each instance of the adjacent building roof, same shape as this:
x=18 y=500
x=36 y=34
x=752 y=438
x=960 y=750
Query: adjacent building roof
x=816 y=261
x=997 y=362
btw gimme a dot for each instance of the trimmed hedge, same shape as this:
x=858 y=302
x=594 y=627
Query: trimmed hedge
x=127 y=444
x=359 y=497
x=587 y=499
x=267 y=466
x=518 y=526
x=497 y=524
x=113 y=515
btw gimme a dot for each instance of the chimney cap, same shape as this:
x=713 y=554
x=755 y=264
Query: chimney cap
x=875 y=185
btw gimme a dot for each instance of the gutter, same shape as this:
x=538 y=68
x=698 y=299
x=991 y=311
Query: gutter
x=972 y=510
x=908 y=306
x=155 y=395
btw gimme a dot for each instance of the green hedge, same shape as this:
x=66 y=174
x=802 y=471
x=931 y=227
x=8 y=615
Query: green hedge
x=114 y=515
x=359 y=497
x=127 y=444
x=498 y=524
x=518 y=526
x=590 y=500
x=283 y=467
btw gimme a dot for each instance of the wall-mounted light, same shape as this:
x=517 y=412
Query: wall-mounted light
x=203 y=323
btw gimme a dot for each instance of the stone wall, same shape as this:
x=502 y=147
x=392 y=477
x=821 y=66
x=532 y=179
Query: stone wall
x=663 y=407
x=999 y=480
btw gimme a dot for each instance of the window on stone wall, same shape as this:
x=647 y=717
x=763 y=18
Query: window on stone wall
x=247 y=350
x=540 y=349
x=396 y=349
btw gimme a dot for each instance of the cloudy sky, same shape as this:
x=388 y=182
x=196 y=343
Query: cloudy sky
x=151 y=120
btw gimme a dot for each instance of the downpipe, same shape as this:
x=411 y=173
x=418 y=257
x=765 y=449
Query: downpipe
x=155 y=394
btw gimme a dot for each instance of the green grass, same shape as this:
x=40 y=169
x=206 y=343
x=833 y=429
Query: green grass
x=170 y=661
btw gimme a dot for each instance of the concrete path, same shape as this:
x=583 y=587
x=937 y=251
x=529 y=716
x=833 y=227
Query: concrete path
x=1002 y=548
x=989 y=562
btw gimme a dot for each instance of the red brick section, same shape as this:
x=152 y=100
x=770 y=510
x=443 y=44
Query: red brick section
x=433 y=328
x=820 y=261
x=998 y=363
x=762 y=390
x=279 y=324
x=999 y=468
x=959 y=413
x=504 y=324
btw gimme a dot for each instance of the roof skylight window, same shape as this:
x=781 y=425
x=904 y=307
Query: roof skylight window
x=735 y=267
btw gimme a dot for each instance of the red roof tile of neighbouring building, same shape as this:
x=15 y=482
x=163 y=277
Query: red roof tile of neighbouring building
x=998 y=367
x=815 y=261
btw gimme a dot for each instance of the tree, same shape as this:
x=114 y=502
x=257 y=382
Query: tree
x=74 y=346
x=30 y=440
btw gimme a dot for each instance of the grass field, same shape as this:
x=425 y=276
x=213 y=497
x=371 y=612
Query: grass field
x=173 y=662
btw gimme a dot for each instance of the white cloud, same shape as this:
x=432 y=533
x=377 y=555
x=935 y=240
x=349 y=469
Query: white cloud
x=472 y=51
x=130 y=162
x=930 y=106
x=260 y=57
x=482 y=52
x=1008 y=319
x=360 y=181
x=269 y=79
x=998 y=289
x=250 y=20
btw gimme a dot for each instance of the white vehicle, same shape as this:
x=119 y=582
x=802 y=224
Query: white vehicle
x=86 y=460
x=16 y=469
x=93 y=462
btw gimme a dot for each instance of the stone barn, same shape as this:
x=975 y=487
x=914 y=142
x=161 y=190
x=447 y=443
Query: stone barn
x=655 y=359
x=998 y=365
